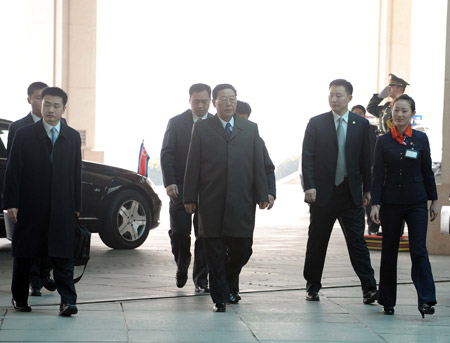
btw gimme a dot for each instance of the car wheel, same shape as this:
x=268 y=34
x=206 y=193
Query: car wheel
x=128 y=221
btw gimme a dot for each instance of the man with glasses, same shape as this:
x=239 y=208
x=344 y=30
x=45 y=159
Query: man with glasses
x=173 y=164
x=225 y=179
x=393 y=90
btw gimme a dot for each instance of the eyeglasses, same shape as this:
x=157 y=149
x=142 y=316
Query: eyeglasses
x=226 y=100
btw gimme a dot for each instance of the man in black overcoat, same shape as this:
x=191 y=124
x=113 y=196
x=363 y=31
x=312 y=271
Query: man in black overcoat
x=336 y=175
x=373 y=134
x=174 y=153
x=42 y=194
x=40 y=267
x=225 y=179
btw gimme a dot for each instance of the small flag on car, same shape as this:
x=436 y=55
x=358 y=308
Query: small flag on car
x=143 y=161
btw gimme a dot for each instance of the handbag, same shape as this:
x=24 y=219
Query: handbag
x=82 y=247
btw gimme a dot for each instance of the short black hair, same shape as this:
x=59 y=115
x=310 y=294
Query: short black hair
x=243 y=108
x=361 y=107
x=341 y=82
x=55 y=91
x=34 y=86
x=199 y=87
x=407 y=98
x=222 y=86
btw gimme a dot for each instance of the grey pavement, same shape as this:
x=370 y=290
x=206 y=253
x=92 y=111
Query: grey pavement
x=130 y=296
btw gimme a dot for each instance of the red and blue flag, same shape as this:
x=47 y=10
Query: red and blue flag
x=143 y=161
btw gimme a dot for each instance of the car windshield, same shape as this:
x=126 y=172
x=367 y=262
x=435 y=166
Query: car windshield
x=3 y=142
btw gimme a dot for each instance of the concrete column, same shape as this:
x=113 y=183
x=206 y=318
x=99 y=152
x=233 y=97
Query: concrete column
x=75 y=66
x=437 y=243
x=394 y=53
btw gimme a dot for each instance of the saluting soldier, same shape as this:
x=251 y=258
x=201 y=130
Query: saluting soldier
x=393 y=90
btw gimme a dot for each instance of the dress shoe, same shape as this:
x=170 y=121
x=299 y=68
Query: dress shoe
x=312 y=296
x=388 y=310
x=49 y=284
x=21 y=307
x=66 y=310
x=35 y=292
x=232 y=299
x=181 y=279
x=370 y=297
x=425 y=309
x=219 y=307
x=201 y=289
x=237 y=296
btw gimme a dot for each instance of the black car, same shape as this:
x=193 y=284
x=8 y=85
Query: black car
x=119 y=204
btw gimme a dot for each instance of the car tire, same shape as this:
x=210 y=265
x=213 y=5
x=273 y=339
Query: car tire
x=128 y=221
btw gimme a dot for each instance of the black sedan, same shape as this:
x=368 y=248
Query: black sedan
x=119 y=204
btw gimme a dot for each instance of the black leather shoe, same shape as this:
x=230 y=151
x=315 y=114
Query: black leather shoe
x=21 y=307
x=232 y=299
x=49 y=284
x=370 y=297
x=66 y=310
x=219 y=307
x=201 y=289
x=388 y=310
x=35 y=292
x=181 y=279
x=237 y=296
x=312 y=296
x=425 y=309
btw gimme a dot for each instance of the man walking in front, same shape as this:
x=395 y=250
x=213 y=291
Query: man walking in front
x=174 y=153
x=225 y=179
x=336 y=174
x=40 y=267
x=44 y=164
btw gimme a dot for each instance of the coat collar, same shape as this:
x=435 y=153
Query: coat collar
x=42 y=134
x=237 y=128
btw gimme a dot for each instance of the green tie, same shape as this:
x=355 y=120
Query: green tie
x=341 y=169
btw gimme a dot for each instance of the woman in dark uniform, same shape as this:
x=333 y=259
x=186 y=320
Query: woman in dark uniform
x=403 y=182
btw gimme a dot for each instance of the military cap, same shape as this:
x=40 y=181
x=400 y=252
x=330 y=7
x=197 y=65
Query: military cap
x=394 y=80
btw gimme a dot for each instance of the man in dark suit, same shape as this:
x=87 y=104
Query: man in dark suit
x=243 y=110
x=174 y=153
x=225 y=179
x=40 y=267
x=44 y=164
x=336 y=175
x=373 y=134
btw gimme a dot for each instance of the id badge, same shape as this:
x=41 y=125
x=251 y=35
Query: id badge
x=411 y=153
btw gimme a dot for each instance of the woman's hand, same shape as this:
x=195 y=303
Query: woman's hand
x=434 y=210
x=375 y=214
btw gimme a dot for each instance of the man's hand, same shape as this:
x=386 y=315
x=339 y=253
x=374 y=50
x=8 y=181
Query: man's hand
x=375 y=214
x=12 y=214
x=434 y=210
x=172 y=191
x=190 y=208
x=310 y=195
x=366 y=198
x=77 y=214
x=271 y=201
x=263 y=205
x=384 y=93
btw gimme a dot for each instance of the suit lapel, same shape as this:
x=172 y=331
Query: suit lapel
x=188 y=122
x=351 y=126
x=331 y=127
x=237 y=128
x=218 y=127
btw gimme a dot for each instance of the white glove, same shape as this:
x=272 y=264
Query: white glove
x=384 y=93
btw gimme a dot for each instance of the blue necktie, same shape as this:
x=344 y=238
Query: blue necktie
x=228 y=130
x=341 y=169
x=54 y=137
